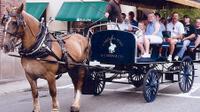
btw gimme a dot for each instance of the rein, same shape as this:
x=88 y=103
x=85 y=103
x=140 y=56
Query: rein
x=15 y=34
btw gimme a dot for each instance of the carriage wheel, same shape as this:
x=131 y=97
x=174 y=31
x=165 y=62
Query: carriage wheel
x=151 y=84
x=136 y=75
x=99 y=78
x=136 y=79
x=186 y=75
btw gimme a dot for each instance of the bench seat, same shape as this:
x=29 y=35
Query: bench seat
x=178 y=45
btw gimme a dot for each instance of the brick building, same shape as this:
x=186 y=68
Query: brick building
x=10 y=68
x=7 y=3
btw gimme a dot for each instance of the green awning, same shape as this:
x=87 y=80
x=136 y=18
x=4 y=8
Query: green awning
x=82 y=11
x=36 y=9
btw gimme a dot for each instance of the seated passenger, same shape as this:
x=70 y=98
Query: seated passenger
x=125 y=25
x=188 y=37
x=161 y=21
x=140 y=38
x=197 y=33
x=153 y=33
x=177 y=30
x=131 y=16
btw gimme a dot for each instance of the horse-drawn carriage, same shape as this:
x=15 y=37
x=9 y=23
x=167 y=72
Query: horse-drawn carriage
x=118 y=50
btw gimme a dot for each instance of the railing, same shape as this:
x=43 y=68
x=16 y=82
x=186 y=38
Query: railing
x=91 y=30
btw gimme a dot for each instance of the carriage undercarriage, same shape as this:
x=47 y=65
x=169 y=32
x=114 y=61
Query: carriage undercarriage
x=148 y=76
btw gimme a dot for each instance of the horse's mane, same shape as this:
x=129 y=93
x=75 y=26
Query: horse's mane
x=32 y=22
x=30 y=17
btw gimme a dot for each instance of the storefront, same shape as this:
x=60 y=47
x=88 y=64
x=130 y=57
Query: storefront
x=10 y=68
x=75 y=15
x=7 y=4
x=37 y=9
x=80 y=15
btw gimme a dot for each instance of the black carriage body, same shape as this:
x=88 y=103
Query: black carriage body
x=113 y=47
x=119 y=48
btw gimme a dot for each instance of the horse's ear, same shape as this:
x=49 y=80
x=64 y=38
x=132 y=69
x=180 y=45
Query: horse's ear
x=20 y=9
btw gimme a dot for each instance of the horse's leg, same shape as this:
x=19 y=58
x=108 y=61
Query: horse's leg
x=77 y=76
x=33 y=84
x=52 y=90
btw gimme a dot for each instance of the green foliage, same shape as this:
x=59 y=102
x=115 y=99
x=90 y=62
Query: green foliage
x=191 y=12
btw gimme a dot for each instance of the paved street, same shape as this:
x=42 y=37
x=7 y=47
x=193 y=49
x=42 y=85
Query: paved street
x=115 y=98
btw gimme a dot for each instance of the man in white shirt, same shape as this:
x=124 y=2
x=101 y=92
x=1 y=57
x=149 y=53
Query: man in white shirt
x=177 y=30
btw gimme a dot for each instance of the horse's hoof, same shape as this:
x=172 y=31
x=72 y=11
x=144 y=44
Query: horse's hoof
x=55 y=110
x=74 y=109
x=35 y=111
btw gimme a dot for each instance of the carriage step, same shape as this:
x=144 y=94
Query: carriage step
x=172 y=72
x=110 y=79
x=107 y=69
x=168 y=81
x=119 y=82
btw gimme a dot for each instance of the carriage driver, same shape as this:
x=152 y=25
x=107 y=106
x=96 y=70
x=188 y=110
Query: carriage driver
x=113 y=13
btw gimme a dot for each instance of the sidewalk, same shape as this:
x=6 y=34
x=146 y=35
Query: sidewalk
x=23 y=85
x=18 y=86
x=10 y=68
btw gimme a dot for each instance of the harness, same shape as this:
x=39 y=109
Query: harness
x=41 y=48
x=18 y=23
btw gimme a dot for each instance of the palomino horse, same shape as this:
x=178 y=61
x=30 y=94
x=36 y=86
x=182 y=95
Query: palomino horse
x=19 y=25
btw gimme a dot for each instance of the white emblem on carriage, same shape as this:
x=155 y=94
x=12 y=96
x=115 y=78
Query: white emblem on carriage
x=112 y=47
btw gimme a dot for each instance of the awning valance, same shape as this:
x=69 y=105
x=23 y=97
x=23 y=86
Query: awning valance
x=82 y=11
x=36 y=9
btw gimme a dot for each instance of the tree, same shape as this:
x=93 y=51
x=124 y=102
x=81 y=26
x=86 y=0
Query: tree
x=191 y=12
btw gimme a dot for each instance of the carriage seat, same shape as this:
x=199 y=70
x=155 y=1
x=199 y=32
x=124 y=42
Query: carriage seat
x=155 y=51
x=178 y=45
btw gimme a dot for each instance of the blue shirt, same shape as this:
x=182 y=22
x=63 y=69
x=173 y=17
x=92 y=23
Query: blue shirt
x=134 y=23
x=151 y=28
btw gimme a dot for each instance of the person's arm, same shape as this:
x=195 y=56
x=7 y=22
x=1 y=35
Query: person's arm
x=157 y=28
x=108 y=10
x=178 y=36
x=107 y=14
x=189 y=37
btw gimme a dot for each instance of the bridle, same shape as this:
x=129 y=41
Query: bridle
x=18 y=23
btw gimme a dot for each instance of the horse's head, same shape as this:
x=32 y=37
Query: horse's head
x=14 y=27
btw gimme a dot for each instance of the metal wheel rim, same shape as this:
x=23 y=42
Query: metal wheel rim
x=186 y=76
x=151 y=85
x=136 y=80
x=99 y=82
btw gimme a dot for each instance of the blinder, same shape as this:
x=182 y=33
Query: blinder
x=4 y=19
x=19 y=22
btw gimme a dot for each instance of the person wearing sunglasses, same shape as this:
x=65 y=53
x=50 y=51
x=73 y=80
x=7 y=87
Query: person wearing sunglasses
x=177 y=30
